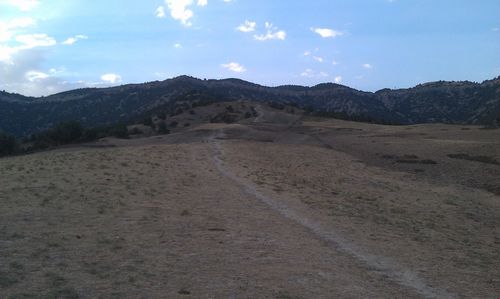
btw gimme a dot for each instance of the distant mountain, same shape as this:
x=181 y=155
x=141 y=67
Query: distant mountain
x=445 y=102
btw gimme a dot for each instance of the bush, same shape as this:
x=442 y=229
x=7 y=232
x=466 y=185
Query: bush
x=136 y=131
x=118 y=131
x=162 y=129
x=174 y=124
x=277 y=106
x=67 y=132
x=162 y=116
x=8 y=144
x=63 y=133
x=73 y=132
x=178 y=111
x=148 y=121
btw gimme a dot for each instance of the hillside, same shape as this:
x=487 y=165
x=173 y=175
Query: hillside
x=444 y=102
x=276 y=206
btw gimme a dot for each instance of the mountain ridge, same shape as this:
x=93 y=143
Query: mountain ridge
x=454 y=102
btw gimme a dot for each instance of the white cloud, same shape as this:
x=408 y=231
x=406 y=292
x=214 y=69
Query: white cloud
x=24 y=5
x=30 y=41
x=367 y=66
x=160 y=12
x=33 y=76
x=202 y=3
x=307 y=53
x=248 y=26
x=272 y=33
x=318 y=59
x=54 y=71
x=22 y=57
x=496 y=29
x=23 y=74
x=335 y=62
x=11 y=41
x=309 y=73
x=8 y=28
x=177 y=46
x=6 y=54
x=338 y=79
x=327 y=33
x=179 y=10
x=70 y=41
x=111 y=78
x=234 y=67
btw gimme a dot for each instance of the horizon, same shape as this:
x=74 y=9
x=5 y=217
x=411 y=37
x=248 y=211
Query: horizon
x=52 y=46
x=236 y=78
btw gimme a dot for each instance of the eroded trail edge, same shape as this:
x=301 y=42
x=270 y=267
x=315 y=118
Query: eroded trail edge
x=379 y=264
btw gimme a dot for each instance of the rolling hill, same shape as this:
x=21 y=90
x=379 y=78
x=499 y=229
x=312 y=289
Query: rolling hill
x=437 y=102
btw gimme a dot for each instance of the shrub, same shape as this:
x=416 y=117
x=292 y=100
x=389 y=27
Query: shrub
x=162 y=116
x=67 y=132
x=135 y=131
x=63 y=133
x=119 y=131
x=8 y=144
x=162 y=129
x=148 y=121
x=277 y=106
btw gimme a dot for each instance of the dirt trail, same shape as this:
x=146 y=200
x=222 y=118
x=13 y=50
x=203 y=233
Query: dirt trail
x=384 y=266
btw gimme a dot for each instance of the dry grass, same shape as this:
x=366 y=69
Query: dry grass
x=155 y=218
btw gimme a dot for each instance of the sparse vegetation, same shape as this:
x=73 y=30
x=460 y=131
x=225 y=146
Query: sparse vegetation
x=481 y=159
x=357 y=117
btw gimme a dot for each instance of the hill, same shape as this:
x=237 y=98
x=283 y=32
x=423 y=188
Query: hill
x=276 y=206
x=443 y=102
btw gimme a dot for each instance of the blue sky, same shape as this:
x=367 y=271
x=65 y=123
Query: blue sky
x=48 y=46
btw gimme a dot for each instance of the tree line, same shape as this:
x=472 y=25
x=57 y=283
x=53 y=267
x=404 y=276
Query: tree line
x=61 y=134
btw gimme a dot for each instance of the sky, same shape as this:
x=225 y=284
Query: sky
x=49 y=46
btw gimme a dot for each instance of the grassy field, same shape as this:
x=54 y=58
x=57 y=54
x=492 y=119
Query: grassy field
x=314 y=209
